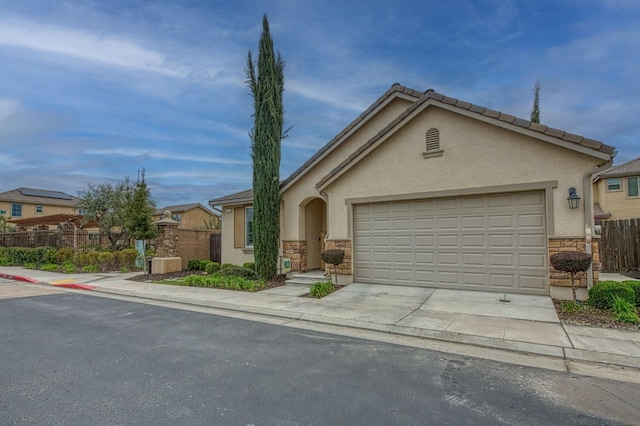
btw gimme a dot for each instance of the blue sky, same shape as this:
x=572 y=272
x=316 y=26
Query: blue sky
x=93 y=91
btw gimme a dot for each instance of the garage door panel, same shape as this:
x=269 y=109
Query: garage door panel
x=493 y=242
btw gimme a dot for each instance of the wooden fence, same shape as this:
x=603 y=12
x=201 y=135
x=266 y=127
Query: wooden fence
x=620 y=245
x=58 y=238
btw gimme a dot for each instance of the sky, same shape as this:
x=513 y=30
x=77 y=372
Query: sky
x=93 y=92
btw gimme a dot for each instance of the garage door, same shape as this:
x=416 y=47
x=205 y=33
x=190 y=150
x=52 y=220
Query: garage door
x=492 y=242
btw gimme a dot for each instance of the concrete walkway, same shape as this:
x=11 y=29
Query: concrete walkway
x=509 y=322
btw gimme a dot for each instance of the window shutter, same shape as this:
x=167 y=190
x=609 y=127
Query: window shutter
x=238 y=227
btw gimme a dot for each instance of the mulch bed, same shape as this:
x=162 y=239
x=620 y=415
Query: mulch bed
x=592 y=317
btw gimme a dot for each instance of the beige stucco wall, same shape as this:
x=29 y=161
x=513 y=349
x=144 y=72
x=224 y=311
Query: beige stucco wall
x=230 y=254
x=616 y=202
x=476 y=154
x=303 y=191
x=29 y=210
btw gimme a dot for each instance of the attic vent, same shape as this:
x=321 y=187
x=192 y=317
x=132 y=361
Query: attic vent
x=433 y=144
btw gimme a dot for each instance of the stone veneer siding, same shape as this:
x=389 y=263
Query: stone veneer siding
x=345 y=268
x=167 y=242
x=297 y=252
x=563 y=279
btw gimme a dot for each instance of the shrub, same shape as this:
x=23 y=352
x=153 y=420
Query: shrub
x=64 y=255
x=68 y=267
x=90 y=268
x=572 y=262
x=212 y=267
x=4 y=252
x=44 y=255
x=635 y=285
x=29 y=265
x=5 y=261
x=126 y=259
x=229 y=282
x=601 y=295
x=51 y=267
x=106 y=261
x=238 y=271
x=203 y=264
x=321 y=289
x=249 y=265
x=21 y=255
x=624 y=310
x=333 y=257
x=227 y=265
x=193 y=265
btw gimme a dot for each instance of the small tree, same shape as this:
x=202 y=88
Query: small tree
x=333 y=257
x=140 y=209
x=572 y=262
x=106 y=204
x=535 y=111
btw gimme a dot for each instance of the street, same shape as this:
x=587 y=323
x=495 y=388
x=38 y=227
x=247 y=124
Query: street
x=76 y=359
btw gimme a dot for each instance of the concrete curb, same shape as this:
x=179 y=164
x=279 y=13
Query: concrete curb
x=20 y=278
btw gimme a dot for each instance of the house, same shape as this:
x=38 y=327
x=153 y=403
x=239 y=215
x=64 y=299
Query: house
x=616 y=192
x=34 y=204
x=191 y=216
x=426 y=190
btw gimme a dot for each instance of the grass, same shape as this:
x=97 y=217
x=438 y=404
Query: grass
x=216 y=280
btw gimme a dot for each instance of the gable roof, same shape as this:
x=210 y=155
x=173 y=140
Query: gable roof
x=630 y=168
x=430 y=97
x=39 y=196
x=182 y=208
x=396 y=91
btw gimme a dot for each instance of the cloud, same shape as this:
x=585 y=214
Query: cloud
x=164 y=155
x=89 y=46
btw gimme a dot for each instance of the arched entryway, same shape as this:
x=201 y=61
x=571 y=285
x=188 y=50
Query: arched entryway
x=315 y=228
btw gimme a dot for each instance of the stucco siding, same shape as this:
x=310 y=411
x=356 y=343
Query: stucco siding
x=230 y=254
x=617 y=202
x=476 y=155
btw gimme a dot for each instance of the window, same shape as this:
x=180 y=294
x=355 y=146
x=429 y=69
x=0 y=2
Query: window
x=177 y=217
x=614 y=184
x=38 y=208
x=432 y=139
x=248 y=227
x=632 y=186
x=16 y=210
x=3 y=212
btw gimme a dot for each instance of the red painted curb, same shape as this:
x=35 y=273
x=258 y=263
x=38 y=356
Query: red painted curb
x=19 y=278
x=75 y=286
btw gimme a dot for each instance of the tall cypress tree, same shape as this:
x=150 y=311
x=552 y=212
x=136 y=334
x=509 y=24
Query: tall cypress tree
x=267 y=86
x=535 y=111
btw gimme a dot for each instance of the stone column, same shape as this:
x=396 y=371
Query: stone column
x=166 y=259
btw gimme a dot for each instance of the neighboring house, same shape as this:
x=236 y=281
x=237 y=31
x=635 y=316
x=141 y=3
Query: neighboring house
x=426 y=190
x=191 y=216
x=616 y=192
x=30 y=203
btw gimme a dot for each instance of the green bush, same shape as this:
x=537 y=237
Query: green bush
x=212 y=267
x=64 y=255
x=204 y=263
x=90 y=268
x=624 y=310
x=68 y=267
x=249 y=265
x=238 y=271
x=601 y=295
x=193 y=265
x=30 y=265
x=106 y=261
x=21 y=255
x=635 y=285
x=44 y=255
x=126 y=259
x=227 y=265
x=51 y=267
x=4 y=252
x=229 y=282
x=321 y=289
x=5 y=261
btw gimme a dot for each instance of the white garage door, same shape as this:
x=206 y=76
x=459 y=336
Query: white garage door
x=492 y=242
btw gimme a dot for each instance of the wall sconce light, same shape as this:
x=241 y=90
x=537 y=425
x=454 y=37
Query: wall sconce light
x=574 y=199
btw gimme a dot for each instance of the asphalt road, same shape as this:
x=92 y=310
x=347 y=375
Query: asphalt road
x=75 y=360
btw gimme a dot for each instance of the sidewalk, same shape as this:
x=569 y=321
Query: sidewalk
x=509 y=322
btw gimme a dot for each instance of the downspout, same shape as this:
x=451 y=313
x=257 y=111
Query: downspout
x=588 y=214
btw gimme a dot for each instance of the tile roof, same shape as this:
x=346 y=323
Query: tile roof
x=625 y=169
x=431 y=95
x=599 y=213
x=241 y=197
x=181 y=208
x=44 y=197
